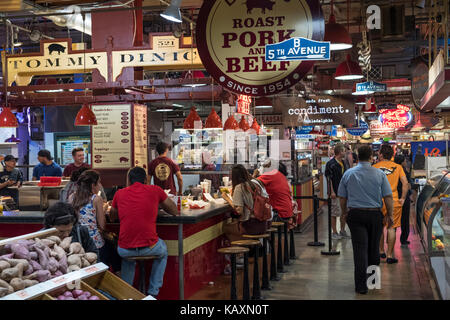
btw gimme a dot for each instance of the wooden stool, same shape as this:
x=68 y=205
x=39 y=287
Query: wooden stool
x=286 y=244
x=265 y=271
x=292 y=246
x=273 y=264
x=233 y=251
x=252 y=243
x=141 y=261
x=280 y=268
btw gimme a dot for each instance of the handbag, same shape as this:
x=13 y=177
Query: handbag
x=261 y=205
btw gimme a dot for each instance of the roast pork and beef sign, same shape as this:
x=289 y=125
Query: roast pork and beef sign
x=232 y=36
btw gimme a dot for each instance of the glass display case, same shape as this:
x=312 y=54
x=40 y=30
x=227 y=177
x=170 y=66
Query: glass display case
x=434 y=228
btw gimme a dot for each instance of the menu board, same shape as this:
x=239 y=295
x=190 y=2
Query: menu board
x=111 y=137
x=140 y=136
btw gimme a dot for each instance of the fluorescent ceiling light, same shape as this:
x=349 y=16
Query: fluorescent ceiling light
x=177 y=105
x=164 y=110
x=55 y=90
x=362 y=93
x=263 y=107
x=350 y=77
x=194 y=85
x=340 y=46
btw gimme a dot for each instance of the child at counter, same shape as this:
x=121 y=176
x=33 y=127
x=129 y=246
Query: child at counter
x=63 y=217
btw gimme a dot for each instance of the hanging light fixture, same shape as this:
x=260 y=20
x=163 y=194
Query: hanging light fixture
x=255 y=126
x=8 y=119
x=243 y=124
x=348 y=70
x=192 y=120
x=172 y=13
x=231 y=124
x=213 y=120
x=193 y=76
x=85 y=117
x=336 y=34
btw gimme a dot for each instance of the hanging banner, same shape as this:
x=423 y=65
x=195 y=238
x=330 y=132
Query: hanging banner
x=243 y=104
x=232 y=37
x=304 y=129
x=369 y=87
x=429 y=148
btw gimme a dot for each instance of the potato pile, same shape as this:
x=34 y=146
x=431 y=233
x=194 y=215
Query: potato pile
x=25 y=263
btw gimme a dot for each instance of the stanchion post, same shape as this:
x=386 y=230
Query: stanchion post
x=316 y=242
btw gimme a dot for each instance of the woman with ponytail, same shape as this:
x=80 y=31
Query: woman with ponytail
x=90 y=207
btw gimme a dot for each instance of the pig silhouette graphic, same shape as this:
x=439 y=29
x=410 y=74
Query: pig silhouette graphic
x=56 y=47
x=261 y=4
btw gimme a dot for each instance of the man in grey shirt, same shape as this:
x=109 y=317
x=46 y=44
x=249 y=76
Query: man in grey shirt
x=361 y=192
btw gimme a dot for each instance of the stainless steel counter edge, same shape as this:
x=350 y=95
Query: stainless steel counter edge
x=187 y=216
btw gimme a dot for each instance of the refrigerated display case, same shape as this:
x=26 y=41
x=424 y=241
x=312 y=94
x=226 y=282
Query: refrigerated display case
x=434 y=230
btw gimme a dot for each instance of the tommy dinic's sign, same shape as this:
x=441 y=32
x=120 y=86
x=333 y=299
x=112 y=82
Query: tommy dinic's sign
x=57 y=57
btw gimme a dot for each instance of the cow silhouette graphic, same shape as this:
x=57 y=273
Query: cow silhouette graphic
x=123 y=159
x=56 y=47
x=261 y=4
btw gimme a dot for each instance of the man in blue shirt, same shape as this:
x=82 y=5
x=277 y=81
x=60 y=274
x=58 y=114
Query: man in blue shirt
x=46 y=166
x=361 y=192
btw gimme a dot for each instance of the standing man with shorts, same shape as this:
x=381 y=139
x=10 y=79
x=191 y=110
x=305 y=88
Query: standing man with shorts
x=334 y=171
x=394 y=173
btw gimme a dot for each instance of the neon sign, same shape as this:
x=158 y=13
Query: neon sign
x=395 y=118
x=243 y=104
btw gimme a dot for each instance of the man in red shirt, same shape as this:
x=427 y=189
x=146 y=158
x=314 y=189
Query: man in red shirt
x=279 y=192
x=137 y=209
x=162 y=169
x=78 y=163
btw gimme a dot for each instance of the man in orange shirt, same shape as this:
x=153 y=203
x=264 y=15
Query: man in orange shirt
x=394 y=173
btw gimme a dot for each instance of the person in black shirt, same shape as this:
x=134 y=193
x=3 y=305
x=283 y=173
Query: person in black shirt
x=334 y=171
x=401 y=160
x=10 y=176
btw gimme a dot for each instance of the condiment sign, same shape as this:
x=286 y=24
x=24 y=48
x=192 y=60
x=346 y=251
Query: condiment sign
x=232 y=36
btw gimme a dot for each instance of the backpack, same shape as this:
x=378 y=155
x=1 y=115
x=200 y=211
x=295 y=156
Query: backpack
x=261 y=206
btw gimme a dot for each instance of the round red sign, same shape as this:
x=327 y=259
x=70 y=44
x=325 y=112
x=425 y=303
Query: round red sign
x=232 y=35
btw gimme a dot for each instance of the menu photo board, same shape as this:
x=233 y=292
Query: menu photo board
x=140 y=136
x=111 y=137
x=65 y=143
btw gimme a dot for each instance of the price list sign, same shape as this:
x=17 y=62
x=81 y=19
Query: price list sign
x=140 y=136
x=111 y=137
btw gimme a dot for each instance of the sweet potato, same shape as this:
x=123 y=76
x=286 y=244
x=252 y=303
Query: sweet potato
x=84 y=263
x=75 y=248
x=55 y=239
x=15 y=262
x=11 y=273
x=7 y=256
x=4 y=284
x=63 y=264
x=17 y=284
x=7 y=248
x=74 y=260
x=43 y=259
x=48 y=243
x=58 y=273
x=33 y=255
x=73 y=268
x=65 y=243
x=30 y=283
x=53 y=265
x=3 y=292
x=20 y=251
x=28 y=270
x=39 y=244
x=40 y=275
x=59 y=251
x=4 y=265
x=36 y=266
x=91 y=257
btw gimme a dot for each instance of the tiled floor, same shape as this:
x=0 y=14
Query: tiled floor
x=315 y=276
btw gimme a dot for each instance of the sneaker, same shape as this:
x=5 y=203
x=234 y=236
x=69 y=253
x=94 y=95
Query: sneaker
x=344 y=234
x=391 y=260
x=383 y=255
x=336 y=236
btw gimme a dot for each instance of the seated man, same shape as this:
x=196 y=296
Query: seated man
x=137 y=209
x=10 y=176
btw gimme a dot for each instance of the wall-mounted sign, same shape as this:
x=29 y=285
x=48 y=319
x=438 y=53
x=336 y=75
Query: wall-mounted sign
x=111 y=137
x=269 y=119
x=243 y=104
x=369 y=87
x=396 y=118
x=326 y=110
x=304 y=129
x=57 y=57
x=231 y=39
x=140 y=151
x=378 y=129
x=428 y=148
x=360 y=130
x=298 y=49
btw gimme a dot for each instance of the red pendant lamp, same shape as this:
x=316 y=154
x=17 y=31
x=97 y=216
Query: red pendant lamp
x=348 y=70
x=231 y=124
x=85 y=117
x=336 y=33
x=192 y=119
x=8 y=119
x=243 y=124
x=213 y=120
x=255 y=126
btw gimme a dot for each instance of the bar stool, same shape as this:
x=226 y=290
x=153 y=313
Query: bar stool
x=141 y=262
x=252 y=243
x=292 y=246
x=273 y=263
x=265 y=285
x=286 y=244
x=279 y=225
x=233 y=251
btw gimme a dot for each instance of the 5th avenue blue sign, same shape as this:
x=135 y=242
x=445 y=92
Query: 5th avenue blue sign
x=370 y=87
x=298 y=49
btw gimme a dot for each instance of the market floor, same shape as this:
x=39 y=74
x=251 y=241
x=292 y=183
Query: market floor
x=318 y=277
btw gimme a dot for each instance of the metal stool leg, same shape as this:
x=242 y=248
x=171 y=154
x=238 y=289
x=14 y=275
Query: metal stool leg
x=142 y=277
x=256 y=287
x=280 y=268
x=292 y=246
x=265 y=273
x=273 y=264
x=233 y=295
x=286 y=246
x=246 y=287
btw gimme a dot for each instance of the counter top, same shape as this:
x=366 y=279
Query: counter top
x=187 y=216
